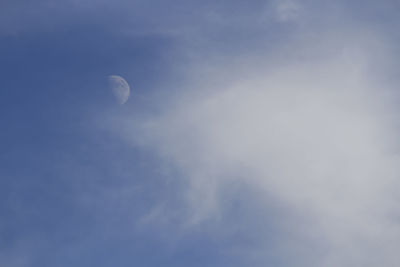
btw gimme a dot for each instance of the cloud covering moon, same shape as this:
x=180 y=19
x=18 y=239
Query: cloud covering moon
x=120 y=88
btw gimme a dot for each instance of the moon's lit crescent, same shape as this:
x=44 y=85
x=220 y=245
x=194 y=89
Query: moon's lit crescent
x=119 y=87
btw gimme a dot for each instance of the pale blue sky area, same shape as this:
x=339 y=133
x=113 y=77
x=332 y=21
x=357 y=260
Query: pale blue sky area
x=185 y=173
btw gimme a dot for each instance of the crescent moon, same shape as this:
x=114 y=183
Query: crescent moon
x=120 y=88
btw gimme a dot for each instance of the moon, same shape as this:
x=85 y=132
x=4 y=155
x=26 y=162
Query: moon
x=120 y=88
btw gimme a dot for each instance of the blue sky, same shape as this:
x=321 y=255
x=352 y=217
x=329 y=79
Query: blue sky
x=257 y=133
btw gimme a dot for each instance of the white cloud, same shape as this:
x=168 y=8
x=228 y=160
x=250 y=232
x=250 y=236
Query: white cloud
x=314 y=134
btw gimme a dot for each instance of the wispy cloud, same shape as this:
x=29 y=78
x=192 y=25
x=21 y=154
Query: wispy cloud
x=309 y=128
x=276 y=137
x=287 y=10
